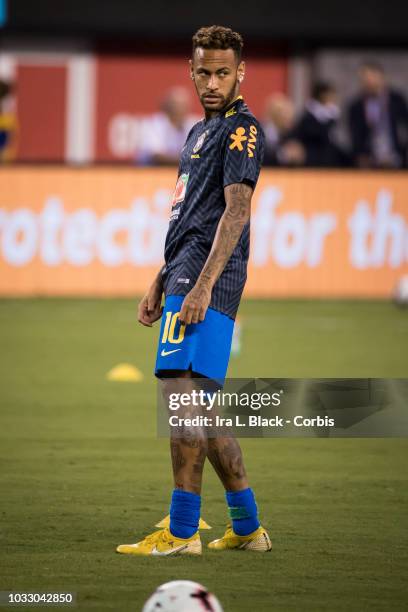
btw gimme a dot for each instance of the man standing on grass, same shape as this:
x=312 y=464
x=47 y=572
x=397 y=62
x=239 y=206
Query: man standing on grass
x=206 y=255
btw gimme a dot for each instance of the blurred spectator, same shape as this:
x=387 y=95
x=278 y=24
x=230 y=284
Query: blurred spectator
x=8 y=124
x=163 y=135
x=378 y=122
x=279 y=120
x=315 y=128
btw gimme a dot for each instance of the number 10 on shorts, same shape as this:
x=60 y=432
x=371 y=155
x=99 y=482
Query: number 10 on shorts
x=170 y=327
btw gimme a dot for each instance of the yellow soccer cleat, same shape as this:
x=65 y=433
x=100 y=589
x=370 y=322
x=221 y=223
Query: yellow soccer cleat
x=166 y=523
x=163 y=544
x=258 y=541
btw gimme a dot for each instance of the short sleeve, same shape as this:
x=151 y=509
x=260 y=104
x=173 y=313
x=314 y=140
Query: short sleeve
x=243 y=146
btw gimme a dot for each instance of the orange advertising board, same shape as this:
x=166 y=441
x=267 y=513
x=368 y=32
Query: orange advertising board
x=100 y=231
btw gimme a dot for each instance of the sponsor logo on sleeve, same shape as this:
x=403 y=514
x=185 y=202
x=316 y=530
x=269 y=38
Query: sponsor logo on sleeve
x=239 y=137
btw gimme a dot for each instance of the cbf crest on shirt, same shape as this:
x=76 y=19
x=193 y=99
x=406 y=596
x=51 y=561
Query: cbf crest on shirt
x=222 y=151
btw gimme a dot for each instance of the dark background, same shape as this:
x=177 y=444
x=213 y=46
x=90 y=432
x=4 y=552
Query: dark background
x=357 y=21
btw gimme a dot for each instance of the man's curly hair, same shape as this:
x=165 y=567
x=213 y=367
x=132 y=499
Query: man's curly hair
x=218 y=37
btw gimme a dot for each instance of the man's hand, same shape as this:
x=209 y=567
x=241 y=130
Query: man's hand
x=195 y=304
x=150 y=308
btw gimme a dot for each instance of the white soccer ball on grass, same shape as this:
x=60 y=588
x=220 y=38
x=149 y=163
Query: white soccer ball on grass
x=182 y=596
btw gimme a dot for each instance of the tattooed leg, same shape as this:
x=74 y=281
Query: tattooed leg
x=226 y=458
x=188 y=445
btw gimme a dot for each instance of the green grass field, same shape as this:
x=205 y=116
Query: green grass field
x=82 y=470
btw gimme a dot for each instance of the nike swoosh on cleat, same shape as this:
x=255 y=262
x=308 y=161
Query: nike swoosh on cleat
x=165 y=353
x=172 y=551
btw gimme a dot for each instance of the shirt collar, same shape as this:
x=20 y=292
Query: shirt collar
x=231 y=104
x=238 y=101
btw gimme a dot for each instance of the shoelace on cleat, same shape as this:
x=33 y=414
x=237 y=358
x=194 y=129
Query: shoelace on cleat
x=166 y=536
x=163 y=535
x=153 y=536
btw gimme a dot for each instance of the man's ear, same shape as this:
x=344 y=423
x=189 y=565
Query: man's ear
x=191 y=69
x=241 y=71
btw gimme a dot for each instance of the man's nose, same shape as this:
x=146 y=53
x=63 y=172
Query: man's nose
x=213 y=82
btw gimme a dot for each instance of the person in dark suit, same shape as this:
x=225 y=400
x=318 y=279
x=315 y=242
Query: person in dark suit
x=378 y=122
x=315 y=128
x=280 y=148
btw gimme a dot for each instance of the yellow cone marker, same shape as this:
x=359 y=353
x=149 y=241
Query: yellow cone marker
x=125 y=372
x=165 y=523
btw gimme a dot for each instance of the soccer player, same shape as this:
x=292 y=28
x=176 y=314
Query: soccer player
x=206 y=255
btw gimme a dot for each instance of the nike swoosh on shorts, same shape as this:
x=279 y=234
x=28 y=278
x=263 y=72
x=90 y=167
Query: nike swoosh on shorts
x=165 y=353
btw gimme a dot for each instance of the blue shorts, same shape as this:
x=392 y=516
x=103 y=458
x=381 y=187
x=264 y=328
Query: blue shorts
x=202 y=347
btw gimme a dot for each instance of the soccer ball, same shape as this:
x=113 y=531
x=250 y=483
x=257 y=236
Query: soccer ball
x=182 y=596
x=401 y=292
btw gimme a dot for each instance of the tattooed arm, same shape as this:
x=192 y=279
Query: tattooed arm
x=236 y=215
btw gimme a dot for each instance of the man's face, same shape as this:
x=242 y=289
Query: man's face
x=216 y=74
x=329 y=98
x=372 y=81
x=280 y=110
x=177 y=105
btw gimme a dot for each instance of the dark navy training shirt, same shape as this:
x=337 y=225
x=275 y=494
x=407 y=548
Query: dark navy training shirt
x=219 y=152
